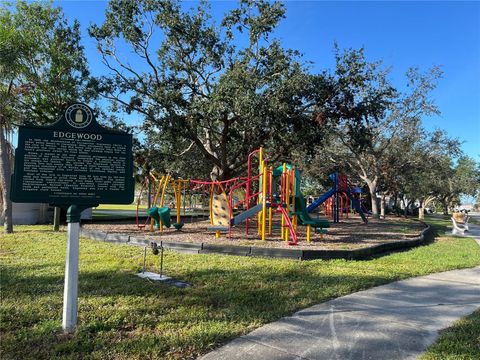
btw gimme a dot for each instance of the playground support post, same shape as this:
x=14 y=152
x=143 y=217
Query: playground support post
x=287 y=197
x=185 y=199
x=293 y=191
x=270 y=192
x=154 y=202
x=249 y=176
x=282 y=198
x=335 y=208
x=177 y=190
x=162 y=199
x=264 y=200
x=261 y=215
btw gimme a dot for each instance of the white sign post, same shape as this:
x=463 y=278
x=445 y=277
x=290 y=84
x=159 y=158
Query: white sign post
x=70 y=291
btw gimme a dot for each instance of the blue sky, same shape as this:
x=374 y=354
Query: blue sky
x=403 y=34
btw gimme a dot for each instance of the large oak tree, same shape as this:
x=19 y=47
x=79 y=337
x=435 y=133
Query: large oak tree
x=204 y=89
x=369 y=114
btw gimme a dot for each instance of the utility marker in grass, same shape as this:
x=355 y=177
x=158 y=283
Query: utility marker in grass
x=160 y=276
x=74 y=164
x=151 y=275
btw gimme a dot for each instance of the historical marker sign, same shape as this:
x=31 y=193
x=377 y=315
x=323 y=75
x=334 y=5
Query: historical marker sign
x=74 y=161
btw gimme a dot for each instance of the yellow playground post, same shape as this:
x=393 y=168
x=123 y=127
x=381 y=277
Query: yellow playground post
x=155 y=199
x=270 y=210
x=162 y=198
x=260 y=195
x=264 y=200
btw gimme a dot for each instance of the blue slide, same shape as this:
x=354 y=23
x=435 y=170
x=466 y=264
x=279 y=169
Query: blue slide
x=356 y=205
x=320 y=200
x=324 y=197
x=246 y=214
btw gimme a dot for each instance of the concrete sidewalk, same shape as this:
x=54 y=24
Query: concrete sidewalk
x=394 y=321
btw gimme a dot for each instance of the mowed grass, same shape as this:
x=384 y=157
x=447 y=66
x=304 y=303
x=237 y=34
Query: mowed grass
x=120 y=207
x=461 y=341
x=124 y=317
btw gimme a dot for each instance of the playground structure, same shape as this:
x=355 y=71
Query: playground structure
x=160 y=215
x=336 y=199
x=266 y=200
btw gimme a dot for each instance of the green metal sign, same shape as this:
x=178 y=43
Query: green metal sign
x=74 y=161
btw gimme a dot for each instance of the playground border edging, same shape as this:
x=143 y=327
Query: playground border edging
x=204 y=248
x=226 y=249
x=277 y=253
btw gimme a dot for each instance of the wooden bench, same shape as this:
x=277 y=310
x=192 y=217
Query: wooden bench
x=465 y=224
x=461 y=219
x=457 y=228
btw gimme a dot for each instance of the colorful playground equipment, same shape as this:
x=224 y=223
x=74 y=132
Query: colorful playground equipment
x=337 y=197
x=159 y=216
x=266 y=200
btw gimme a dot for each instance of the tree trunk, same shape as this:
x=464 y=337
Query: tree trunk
x=2 y=219
x=382 y=207
x=445 y=208
x=56 y=218
x=372 y=186
x=217 y=174
x=395 y=203
x=405 y=208
x=5 y=177
x=409 y=203
x=421 y=211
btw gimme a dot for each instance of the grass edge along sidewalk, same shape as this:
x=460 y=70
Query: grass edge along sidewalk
x=124 y=317
x=460 y=341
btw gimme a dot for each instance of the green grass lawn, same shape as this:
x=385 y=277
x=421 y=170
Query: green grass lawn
x=119 y=207
x=461 y=341
x=124 y=317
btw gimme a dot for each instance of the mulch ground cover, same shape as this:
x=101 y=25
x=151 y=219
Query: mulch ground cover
x=349 y=233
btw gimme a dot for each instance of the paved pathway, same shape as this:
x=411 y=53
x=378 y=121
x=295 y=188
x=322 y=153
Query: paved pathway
x=394 y=321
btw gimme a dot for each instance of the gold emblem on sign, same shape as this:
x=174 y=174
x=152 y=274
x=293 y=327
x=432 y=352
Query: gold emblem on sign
x=78 y=116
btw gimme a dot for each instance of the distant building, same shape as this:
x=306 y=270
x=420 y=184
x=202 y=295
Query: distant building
x=467 y=207
x=34 y=213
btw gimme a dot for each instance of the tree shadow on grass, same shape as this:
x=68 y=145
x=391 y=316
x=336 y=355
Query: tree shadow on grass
x=33 y=230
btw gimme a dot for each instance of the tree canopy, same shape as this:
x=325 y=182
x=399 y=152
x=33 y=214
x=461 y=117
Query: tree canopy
x=376 y=136
x=199 y=91
x=42 y=69
x=42 y=63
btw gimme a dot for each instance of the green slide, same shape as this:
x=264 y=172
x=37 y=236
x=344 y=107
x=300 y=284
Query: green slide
x=158 y=214
x=304 y=217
